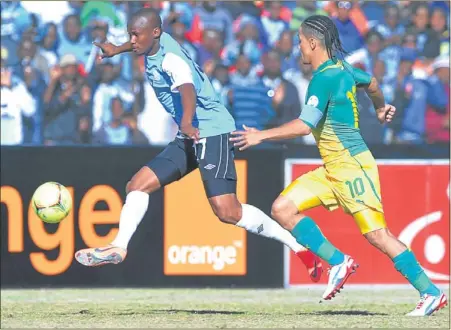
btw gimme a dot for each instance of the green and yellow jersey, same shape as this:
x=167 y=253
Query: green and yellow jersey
x=331 y=110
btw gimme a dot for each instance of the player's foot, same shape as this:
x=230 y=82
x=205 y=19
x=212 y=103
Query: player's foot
x=338 y=275
x=429 y=304
x=100 y=256
x=313 y=264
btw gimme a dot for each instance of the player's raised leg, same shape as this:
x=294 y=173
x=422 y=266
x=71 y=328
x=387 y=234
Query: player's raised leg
x=373 y=227
x=170 y=165
x=308 y=191
x=217 y=167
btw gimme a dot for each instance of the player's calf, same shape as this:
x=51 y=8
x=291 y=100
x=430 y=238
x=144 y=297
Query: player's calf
x=373 y=227
x=227 y=208
x=386 y=242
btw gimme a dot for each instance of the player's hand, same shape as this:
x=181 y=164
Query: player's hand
x=190 y=131
x=386 y=114
x=247 y=138
x=108 y=49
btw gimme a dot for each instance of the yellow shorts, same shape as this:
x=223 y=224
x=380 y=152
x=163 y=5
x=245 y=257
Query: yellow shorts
x=352 y=183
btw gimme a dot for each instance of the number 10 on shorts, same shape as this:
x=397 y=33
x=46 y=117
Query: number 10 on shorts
x=356 y=187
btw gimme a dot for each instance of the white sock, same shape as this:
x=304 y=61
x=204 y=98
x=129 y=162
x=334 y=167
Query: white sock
x=132 y=213
x=257 y=222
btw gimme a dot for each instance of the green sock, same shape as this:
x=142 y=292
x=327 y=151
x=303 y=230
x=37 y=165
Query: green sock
x=308 y=234
x=408 y=266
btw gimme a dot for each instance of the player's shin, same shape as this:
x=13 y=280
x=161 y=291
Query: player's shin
x=408 y=266
x=257 y=222
x=132 y=213
x=309 y=235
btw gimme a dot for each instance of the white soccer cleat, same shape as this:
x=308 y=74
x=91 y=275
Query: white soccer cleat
x=429 y=304
x=338 y=275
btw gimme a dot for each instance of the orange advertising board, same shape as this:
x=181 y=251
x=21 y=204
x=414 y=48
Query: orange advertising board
x=195 y=241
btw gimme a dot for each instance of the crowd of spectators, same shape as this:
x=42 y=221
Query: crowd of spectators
x=56 y=91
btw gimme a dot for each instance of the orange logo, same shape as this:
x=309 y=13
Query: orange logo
x=195 y=241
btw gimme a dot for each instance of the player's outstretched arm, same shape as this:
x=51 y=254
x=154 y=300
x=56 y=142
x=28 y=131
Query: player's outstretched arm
x=252 y=136
x=110 y=50
x=385 y=112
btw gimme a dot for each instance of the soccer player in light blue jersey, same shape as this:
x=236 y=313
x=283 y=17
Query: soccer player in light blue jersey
x=202 y=142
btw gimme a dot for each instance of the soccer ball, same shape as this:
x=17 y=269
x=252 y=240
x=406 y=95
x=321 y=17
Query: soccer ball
x=52 y=202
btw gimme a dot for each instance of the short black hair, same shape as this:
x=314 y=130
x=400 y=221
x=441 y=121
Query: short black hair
x=151 y=14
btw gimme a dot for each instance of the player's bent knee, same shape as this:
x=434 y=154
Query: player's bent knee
x=283 y=207
x=379 y=238
x=144 y=180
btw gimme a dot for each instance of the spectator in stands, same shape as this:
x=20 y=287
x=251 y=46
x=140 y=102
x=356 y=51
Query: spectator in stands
x=236 y=8
x=387 y=83
x=73 y=40
x=29 y=72
x=374 y=45
x=67 y=100
x=211 y=46
x=221 y=82
x=391 y=29
x=247 y=42
x=249 y=98
x=374 y=12
x=110 y=86
x=438 y=116
x=300 y=78
x=409 y=41
x=119 y=131
x=440 y=29
x=304 y=9
x=177 y=12
x=285 y=47
x=214 y=17
x=273 y=24
x=285 y=100
x=177 y=29
x=16 y=103
x=244 y=74
x=30 y=57
x=421 y=25
x=410 y=101
x=350 y=37
x=49 y=42
x=138 y=137
x=15 y=20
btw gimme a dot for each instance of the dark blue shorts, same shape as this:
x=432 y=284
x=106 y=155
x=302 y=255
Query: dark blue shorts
x=213 y=156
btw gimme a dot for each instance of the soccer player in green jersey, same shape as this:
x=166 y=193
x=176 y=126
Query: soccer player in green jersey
x=349 y=177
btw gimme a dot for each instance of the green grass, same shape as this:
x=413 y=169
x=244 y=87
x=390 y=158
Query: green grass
x=211 y=308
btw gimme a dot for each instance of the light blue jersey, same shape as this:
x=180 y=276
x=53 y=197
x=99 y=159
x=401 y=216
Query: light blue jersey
x=172 y=67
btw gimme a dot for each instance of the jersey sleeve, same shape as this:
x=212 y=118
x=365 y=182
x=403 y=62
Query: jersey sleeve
x=178 y=70
x=361 y=77
x=318 y=96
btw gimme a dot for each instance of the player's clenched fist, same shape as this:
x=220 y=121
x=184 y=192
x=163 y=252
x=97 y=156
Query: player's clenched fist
x=247 y=138
x=386 y=113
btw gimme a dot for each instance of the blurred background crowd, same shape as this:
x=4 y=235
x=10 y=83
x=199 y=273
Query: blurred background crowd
x=56 y=91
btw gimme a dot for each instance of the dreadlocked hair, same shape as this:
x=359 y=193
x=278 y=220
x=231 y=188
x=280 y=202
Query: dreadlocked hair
x=322 y=28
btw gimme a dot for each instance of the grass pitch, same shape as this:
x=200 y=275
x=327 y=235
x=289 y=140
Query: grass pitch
x=211 y=308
